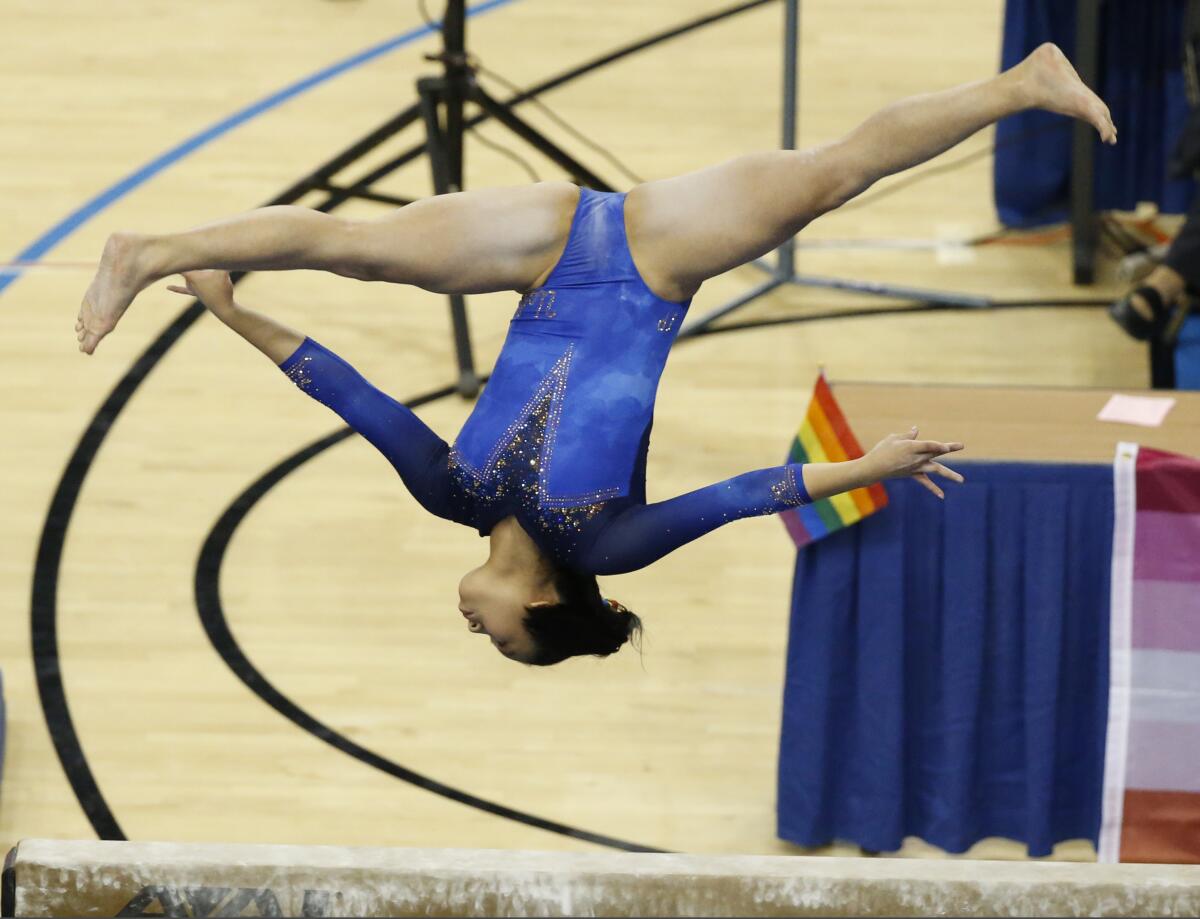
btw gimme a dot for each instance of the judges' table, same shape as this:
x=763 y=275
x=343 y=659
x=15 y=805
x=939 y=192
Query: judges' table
x=948 y=670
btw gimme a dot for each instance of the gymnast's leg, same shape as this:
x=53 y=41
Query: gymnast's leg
x=687 y=229
x=469 y=242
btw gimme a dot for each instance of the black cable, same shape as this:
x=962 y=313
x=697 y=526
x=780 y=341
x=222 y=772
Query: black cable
x=477 y=65
x=895 y=187
x=608 y=155
x=429 y=20
x=506 y=152
x=971 y=157
x=562 y=123
x=950 y=166
x=862 y=201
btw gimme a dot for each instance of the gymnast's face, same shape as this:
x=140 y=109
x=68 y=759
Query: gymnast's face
x=494 y=605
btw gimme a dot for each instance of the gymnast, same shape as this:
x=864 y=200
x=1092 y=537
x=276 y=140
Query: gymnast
x=551 y=463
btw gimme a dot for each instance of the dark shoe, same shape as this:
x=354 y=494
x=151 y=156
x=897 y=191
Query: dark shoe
x=1133 y=322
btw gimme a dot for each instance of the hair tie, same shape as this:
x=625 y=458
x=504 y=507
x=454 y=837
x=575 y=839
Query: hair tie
x=615 y=606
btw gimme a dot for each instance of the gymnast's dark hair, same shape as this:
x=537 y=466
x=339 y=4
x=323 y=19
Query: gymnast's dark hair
x=582 y=622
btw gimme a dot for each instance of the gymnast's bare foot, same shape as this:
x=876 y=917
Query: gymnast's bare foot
x=123 y=273
x=1051 y=83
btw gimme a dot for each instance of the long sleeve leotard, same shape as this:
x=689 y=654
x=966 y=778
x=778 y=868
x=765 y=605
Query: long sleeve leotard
x=560 y=435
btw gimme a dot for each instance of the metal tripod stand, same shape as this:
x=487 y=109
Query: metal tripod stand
x=783 y=269
x=440 y=107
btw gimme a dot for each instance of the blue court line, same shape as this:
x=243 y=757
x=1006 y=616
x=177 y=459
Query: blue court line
x=114 y=193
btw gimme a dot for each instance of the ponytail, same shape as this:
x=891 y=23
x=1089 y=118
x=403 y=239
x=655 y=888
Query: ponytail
x=582 y=622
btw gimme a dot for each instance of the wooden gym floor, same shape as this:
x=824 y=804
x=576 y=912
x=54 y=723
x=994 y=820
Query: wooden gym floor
x=335 y=586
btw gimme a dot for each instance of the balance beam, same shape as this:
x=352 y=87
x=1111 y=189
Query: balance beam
x=60 y=878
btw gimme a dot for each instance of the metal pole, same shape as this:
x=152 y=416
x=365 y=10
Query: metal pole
x=705 y=321
x=432 y=90
x=1084 y=225
x=454 y=38
x=786 y=262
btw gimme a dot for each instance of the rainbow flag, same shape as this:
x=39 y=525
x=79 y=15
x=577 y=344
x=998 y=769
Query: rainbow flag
x=825 y=437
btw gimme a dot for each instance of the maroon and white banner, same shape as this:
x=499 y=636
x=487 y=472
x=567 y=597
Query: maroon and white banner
x=1151 y=809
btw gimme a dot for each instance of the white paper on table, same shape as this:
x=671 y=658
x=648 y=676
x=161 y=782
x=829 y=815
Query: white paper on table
x=1148 y=411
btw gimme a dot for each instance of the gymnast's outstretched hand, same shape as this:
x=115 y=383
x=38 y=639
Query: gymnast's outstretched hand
x=900 y=456
x=214 y=289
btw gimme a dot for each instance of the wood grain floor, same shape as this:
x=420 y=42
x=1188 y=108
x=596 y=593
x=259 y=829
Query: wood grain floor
x=336 y=587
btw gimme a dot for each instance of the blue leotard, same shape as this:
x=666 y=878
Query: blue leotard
x=559 y=437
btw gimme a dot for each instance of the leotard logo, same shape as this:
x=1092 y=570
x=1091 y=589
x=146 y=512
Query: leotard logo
x=537 y=304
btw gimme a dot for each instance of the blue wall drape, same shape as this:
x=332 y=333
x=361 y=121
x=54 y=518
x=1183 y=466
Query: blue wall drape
x=947 y=666
x=1141 y=79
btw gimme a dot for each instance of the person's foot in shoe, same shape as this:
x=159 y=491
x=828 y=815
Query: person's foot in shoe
x=1143 y=312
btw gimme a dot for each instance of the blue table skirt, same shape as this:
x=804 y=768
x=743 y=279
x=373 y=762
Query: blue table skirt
x=947 y=667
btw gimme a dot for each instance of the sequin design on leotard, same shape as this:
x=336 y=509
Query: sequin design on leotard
x=560 y=437
x=516 y=469
x=298 y=373
x=787 y=491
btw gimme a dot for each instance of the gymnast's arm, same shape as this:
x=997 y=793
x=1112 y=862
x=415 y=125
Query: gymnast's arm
x=416 y=452
x=641 y=534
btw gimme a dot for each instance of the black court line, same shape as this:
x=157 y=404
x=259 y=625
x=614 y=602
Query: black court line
x=44 y=601
x=44 y=597
x=216 y=626
x=48 y=564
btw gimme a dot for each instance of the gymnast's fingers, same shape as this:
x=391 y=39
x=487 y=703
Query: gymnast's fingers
x=924 y=480
x=943 y=471
x=935 y=447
